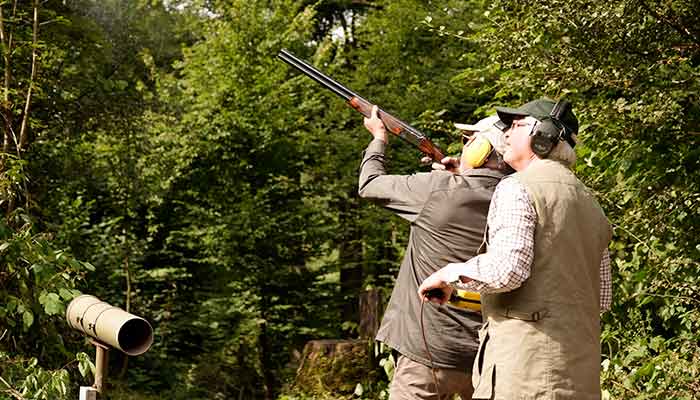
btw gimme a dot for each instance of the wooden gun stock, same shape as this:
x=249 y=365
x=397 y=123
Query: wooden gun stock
x=399 y=128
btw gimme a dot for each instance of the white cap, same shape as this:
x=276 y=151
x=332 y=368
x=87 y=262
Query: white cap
x=488 y=129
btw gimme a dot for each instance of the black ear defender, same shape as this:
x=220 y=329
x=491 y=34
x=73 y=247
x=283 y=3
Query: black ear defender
x=551 y=130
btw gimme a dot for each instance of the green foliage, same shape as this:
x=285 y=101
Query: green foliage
x=38 y=273
x=211 y=189
x=37 y=282
x=232 y=231
x=20 y=379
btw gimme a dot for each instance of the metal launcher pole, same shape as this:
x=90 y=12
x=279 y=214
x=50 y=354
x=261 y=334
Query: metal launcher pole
x=101 y=357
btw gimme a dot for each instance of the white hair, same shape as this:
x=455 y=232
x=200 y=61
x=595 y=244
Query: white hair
x=564 y=153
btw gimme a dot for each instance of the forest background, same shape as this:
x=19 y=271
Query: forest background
x=157 y=155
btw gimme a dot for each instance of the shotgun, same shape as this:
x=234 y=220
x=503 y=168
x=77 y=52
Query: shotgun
x=393 y=124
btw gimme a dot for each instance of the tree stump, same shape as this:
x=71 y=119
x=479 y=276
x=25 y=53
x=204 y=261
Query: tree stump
x=334 y=367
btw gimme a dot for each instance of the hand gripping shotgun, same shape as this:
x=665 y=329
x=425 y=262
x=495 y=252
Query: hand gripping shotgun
x=393 y=124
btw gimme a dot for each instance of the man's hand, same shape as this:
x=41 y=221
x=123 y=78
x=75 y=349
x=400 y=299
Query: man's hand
x=430 y=287
x=376 y=127
x=450 y=164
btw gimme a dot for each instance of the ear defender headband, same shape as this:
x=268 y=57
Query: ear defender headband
x=477 y=152
x=550 y=130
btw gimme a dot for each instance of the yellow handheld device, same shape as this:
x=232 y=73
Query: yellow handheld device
x=465 y=299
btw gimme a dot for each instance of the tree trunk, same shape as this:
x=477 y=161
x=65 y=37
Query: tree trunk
x=370 y=313
x=350 y=258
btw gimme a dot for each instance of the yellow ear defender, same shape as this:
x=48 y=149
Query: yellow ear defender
x=477 y=152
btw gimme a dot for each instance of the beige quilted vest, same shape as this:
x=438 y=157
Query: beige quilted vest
x=542 y=340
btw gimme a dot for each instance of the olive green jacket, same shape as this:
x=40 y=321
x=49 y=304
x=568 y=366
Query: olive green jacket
x=447 y=213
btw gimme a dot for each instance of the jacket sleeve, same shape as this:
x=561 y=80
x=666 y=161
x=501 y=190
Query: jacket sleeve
x=405 y=195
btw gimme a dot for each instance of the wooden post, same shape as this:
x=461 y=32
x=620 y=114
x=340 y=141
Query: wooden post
x=370 y=313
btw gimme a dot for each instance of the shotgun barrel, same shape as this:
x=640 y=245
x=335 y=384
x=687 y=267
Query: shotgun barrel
x=362 y=105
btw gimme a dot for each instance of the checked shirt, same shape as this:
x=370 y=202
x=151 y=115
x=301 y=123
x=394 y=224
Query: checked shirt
x=511 y=248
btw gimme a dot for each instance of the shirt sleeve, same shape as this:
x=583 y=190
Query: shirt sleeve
x=506 y=265
x=405 y=195
x=512 y=221
x=605 y=282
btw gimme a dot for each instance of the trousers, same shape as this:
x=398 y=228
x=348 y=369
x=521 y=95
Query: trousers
x=414 y=381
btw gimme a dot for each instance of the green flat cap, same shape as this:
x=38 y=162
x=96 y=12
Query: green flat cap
x=541 y=110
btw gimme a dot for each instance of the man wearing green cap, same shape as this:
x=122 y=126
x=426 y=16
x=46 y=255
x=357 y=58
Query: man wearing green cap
x=545 y=276
x=447 y=211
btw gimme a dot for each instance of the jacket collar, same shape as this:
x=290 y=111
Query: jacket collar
x=492 y=173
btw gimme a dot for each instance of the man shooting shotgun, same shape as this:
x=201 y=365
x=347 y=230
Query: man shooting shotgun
x=393 y=124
